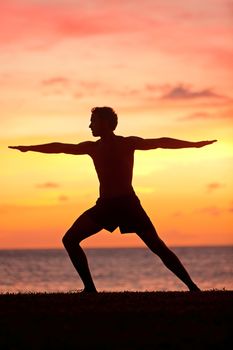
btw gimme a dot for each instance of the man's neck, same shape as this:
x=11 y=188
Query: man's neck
x=108 y=136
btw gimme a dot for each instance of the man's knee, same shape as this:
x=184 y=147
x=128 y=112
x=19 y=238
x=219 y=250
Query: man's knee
x=159 y=247
x=154 y=242
x=70 y=238
x=66 y=240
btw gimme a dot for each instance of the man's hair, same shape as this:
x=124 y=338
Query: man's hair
x=107 y=114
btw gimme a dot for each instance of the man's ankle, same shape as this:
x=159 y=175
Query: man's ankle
x=194 y=288
x=90 y=290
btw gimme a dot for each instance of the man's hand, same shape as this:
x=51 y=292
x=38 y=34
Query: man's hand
x=20 y=148
x=204 y=143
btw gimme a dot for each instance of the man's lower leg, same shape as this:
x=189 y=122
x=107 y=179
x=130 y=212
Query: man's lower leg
x=79 y=260
x=172 y=262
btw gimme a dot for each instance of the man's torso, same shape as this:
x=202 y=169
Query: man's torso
x=113 y=161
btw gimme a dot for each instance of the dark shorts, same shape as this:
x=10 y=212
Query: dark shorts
x=125 y=212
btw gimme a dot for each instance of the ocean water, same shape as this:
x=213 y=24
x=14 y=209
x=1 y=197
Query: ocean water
x=115 y=269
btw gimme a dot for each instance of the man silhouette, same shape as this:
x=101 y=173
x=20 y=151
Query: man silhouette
x=118 y=205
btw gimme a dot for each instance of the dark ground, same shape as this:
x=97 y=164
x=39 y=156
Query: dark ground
x=128 y=320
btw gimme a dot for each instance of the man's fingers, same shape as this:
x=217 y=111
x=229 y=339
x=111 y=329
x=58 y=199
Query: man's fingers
x=212 y=141
x=20 y=148
x=205 y=143
x=14 y=147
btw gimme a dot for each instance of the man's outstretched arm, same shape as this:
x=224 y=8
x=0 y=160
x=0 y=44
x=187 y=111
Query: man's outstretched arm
x=165 y=142
x=57 y=147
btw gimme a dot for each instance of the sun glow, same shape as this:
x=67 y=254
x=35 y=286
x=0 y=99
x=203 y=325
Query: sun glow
x=165 y=70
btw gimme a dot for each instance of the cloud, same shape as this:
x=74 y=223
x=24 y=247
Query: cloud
x=151 y=27
x=214 y=186
x=63 y=198
x=173 y=27
x=201 y=115
x=216 y=211
x=178 y=213
x=48 y=185
x=57 y=85
x=212 y=210
x=76 y=88
x=150 y=92
x=48 y=22
x=182 y=92
x=230 y=209
x=55 y=81
x=197 y=115
x=95 y=88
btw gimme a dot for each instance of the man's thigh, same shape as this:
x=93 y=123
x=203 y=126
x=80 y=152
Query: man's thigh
x=83 y=227
x=151 y=238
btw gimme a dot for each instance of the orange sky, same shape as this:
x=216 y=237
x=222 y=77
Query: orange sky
x=164 y=66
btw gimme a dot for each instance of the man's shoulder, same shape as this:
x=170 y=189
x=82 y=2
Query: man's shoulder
x=129 y=138
x=133 y=140
x=130 y=141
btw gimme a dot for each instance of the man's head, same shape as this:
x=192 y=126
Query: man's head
x=103 y=120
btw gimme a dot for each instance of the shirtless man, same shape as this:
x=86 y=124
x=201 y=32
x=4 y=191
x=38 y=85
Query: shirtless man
x=118 y=205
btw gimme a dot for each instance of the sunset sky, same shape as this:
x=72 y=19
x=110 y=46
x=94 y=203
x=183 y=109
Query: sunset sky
x=165 y=66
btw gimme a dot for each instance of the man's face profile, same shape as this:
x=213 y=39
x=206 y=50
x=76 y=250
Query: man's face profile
x=98 y=125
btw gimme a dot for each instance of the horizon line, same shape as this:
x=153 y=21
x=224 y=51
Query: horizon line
x=119 y=247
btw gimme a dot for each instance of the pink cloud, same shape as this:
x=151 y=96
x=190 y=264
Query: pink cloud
x=45 y=22
x=201 y=115
x=55 y=85
x=55 y=81
x=196 y=115
x=168 y=92
x=96 y=87
x=183 y=92
x=186 y=94
x=172 y=29
x=148 y=92
x=202 y=33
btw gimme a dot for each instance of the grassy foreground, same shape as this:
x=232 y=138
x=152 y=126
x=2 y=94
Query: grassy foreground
x=127 y=320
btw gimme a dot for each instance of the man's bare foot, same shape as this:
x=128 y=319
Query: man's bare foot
x=89 y=290
x=194 y=288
